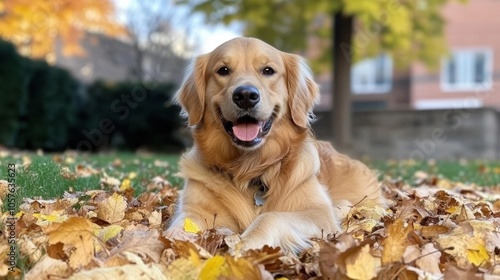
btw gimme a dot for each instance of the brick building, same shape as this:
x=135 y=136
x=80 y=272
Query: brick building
x=469 y=77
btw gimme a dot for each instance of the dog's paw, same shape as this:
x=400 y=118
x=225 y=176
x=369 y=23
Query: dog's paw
x=255 y=243
x=176 y=233
x=224 y=231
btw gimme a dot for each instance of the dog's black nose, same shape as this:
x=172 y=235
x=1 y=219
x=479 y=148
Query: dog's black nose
x=246 y=97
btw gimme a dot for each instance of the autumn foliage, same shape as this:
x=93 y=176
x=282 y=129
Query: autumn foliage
x=36 y=26
x=439 y=229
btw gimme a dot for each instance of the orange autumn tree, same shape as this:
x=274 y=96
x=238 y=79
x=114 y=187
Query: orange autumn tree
x=36 y=26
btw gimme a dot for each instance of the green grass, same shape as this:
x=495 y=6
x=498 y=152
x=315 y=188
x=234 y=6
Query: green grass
x=42 y=178
x=482 y=173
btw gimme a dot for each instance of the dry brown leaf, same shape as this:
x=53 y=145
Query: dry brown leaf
x=143 y=243
x=29 y=248
x=433 y=230
x=112 y=209
x=85 y=171
x=49 y=268
x=136 y=271
x=429 y=260
x=184 y=268
x=466 y=243
x=4 y=267
x=77 y=236
x=110 y=181
x=457 y=274
x=155 y=219
x=395 y=242
x=4 y=190
x=362 y=265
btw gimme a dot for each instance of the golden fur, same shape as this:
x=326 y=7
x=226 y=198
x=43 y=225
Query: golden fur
x=306 y=179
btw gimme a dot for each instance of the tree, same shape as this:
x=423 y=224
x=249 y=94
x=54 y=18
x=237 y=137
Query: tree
x=37 y=26
x=348 y=29
x=156 y=30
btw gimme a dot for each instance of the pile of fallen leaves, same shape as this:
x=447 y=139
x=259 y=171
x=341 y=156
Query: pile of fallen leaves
x=437 y=229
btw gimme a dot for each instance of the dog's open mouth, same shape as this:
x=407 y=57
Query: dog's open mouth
x=247 y=131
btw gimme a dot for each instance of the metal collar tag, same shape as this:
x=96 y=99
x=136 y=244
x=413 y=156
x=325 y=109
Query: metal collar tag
x=260 y=193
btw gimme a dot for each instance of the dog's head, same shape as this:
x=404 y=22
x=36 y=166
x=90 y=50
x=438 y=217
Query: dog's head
x=247 y=86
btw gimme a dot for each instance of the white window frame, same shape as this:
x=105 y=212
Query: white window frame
x=465 y=70
x=368 y=68
x=455 y=103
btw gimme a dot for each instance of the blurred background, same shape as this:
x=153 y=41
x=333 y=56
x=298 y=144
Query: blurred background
x=401 y=79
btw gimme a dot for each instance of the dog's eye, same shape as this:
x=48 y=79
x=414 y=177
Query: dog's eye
x=268 y=71
x=223 y=71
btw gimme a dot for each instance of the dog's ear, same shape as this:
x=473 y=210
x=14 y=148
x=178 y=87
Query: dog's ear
x=303 y=91
x=191 y=95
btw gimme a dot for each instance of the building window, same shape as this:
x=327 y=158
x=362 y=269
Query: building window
x=373 y=75
x=469 y=69
x=369 y=105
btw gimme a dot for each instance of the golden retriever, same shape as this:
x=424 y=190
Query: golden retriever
x=255 y=167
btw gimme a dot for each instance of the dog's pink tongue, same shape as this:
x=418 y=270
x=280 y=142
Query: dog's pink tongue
x=246 y=131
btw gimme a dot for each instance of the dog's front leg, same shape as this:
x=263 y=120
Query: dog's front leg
x=290 y=230
x=199 y=204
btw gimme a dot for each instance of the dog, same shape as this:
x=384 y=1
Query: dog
x=255 y=168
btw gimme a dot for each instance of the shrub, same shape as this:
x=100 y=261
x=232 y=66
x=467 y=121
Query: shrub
x=49 y=110
x=129 y=116
x=11 y=88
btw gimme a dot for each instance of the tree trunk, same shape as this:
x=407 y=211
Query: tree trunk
x=342 y=108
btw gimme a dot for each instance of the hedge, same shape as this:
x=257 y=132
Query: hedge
x=44 y=107
x=129 y=116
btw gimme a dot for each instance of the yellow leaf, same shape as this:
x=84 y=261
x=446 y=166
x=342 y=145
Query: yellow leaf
x=54 y=216
x=183 y=269
x=110 y=232
x=362 y=265
x=191 y=226
x=132 y=175
x=225 y=267
x=477 y=253
x=194 y=257
x=19 y=214
x=112 y=209
x=395 y=242
x=125 y=185
x=214 y=268
x=466 y=243
x=453 y=209
x=77 y=236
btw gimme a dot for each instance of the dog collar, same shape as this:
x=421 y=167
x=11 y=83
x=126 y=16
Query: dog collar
x=259 y=196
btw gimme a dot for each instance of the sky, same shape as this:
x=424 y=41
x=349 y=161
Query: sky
x=207 y=37
x=214 y=36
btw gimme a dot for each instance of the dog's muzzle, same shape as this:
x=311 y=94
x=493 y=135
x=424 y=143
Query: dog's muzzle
x=248 y=130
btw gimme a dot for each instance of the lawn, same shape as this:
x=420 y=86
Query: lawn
x=50 y=175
